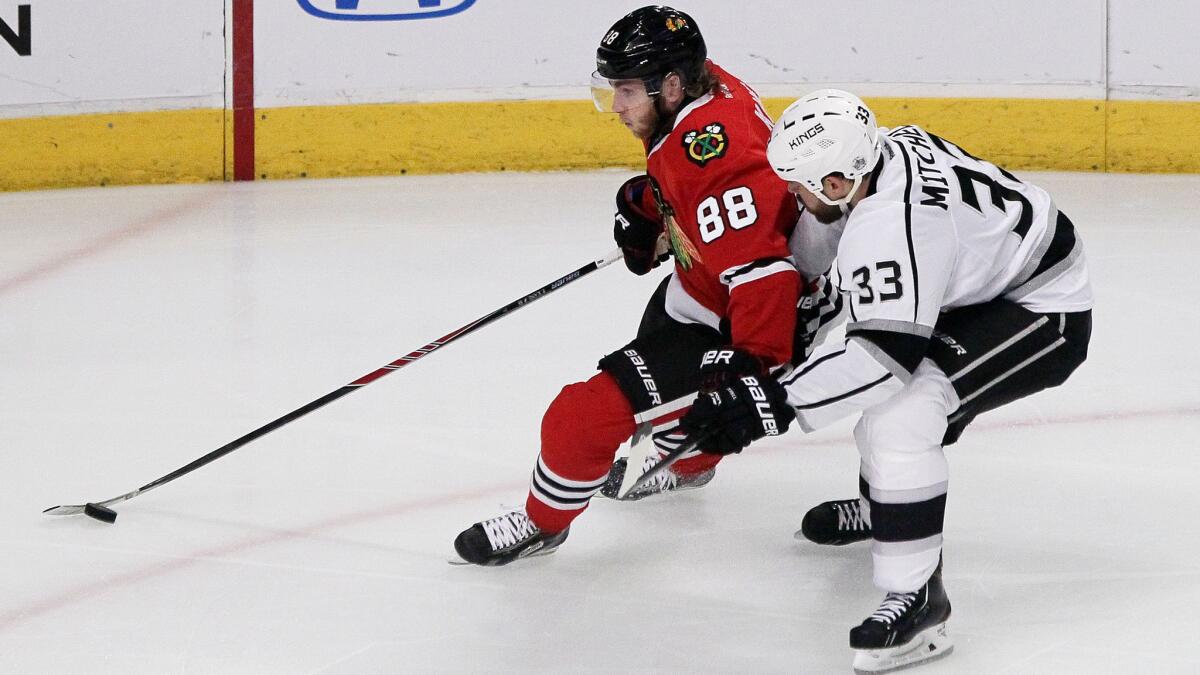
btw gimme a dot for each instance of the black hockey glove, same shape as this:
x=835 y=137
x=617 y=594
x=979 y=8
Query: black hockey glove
x=728 y=420
x=720 y=366
x=637 y=230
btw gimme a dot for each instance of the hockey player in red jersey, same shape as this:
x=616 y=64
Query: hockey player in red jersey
x=711 y=201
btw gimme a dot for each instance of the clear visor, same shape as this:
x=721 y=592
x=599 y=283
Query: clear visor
x=618 y=96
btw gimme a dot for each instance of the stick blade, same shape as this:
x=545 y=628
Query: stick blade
x=665 y=463
x=64 y=510
x=640 y=447
x=645 y=478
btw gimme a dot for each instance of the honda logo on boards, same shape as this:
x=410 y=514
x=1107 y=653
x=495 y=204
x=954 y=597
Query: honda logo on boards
x=20 y=38
x=399 y=10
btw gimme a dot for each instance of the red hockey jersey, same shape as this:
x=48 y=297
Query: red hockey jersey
x=729 y=221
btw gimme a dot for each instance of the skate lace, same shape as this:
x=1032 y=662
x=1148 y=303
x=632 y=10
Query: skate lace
x=663 y=481
x=508 y=529
x=851 y=517
x=892 y=607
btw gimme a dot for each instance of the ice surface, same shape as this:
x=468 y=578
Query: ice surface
x=143 y=327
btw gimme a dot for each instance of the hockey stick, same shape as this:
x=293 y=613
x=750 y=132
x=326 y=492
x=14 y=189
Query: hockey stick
x=100 y=510
x=667 y=460
x=676 y=454
x=640 y=447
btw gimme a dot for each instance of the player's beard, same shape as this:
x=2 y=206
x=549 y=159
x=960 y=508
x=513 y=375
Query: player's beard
x=643 y=121
x=825 y=213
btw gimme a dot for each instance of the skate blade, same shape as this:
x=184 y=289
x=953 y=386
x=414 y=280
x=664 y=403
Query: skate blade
x=929 y=645
x=459 y=562
x=654 y=495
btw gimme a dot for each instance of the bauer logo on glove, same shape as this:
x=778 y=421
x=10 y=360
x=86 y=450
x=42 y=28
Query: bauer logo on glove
x=762 y=405
x=732 y=417
x=719 y=367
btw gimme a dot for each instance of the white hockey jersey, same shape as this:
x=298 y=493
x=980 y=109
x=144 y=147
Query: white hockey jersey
x=939 y=230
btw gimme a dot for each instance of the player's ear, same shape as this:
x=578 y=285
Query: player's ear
x=833 y=183
x=672 y=88
x=836 y=185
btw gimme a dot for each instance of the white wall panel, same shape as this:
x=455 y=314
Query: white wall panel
x=93 y=56
x=491 y=45
x=1154 y=49
x=148 y=54
x=546 y=48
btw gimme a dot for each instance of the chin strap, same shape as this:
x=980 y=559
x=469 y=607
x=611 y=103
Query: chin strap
x=844 y=202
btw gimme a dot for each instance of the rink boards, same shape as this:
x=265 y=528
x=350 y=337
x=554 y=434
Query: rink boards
x=185 y=146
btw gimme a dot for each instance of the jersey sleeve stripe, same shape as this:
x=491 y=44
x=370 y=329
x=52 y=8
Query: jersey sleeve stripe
x=853 y=392
x=900 y=355
x=764 y=267
x=1061 y=252
x=1050 y=274
x=1039 y=251
x=765 y=120
x=808 y=367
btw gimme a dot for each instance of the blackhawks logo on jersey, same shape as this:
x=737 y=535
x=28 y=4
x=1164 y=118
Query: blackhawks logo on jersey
x=707 y=144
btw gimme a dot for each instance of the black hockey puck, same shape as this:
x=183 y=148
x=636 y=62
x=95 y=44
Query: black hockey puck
x=101 y=513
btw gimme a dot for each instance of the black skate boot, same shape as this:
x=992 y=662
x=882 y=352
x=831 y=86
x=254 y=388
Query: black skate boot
x=505 y=538
x=907 y=629
x=836 y=523
x=667 y=481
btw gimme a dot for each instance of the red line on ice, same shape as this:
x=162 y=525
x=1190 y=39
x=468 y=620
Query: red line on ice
x=92 y=589
x=100 y=244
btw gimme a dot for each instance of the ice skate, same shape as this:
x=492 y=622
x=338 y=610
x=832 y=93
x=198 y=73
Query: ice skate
x=667 y=481
x=908 y=629
x=836 y=523
x=505 y=538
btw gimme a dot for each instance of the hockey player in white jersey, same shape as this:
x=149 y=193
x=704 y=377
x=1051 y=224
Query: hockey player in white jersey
x=966 y=289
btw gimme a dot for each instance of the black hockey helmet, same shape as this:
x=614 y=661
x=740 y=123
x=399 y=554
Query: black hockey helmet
x=650 y=42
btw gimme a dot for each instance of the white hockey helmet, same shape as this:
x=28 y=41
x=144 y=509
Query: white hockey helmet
x=827 y=131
